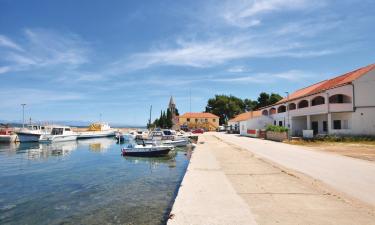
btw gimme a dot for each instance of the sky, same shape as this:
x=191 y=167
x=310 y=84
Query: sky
x=74 y=60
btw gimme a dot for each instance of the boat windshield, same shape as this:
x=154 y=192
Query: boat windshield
x=57 y=131
x=167 y=132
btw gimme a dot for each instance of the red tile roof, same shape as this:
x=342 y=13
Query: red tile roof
x=329 y=84
x=246 y=116
x=198 y=115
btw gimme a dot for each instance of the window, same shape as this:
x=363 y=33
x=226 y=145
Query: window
x=188 y=119
x=274 y=122
x=196 y=120
x=67 y=129
x=325 y=127
x=206 y=120
x=214 y=120
x=337 y=124
x=280 y=123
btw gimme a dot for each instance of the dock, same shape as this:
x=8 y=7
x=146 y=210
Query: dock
x=229 y=184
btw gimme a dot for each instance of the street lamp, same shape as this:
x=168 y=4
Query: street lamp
x=23 y=115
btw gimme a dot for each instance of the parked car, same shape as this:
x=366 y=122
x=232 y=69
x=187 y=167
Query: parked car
x=221 y=129
x=198 y=131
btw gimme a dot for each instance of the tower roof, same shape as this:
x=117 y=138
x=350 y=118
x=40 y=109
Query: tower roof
x=171 y=101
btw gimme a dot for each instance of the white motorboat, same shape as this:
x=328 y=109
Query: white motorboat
x=97 y=130
x=59 y=133
x=146 y=150
x=174 y=143
x=32 y=133
x=7 y=135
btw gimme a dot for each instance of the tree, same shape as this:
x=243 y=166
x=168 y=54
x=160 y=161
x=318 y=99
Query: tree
x=274 y=98
x=226 y=107
x=250 y=105
x=263 y=100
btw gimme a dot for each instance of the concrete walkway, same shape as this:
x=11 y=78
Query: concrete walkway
x=352 y=177
x=226 y=184
x=206 y=196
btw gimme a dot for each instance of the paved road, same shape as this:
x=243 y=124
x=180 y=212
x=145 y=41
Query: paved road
x=206 y=196
x=353 y=177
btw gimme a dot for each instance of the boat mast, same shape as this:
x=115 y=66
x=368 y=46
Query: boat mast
x=149 y=121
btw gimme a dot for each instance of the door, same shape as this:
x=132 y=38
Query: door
x=315 y=127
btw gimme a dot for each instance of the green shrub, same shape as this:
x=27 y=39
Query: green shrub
x=276 y=129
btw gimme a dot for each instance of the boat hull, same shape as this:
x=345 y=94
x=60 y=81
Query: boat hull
x=146 y=152
x=28 y=137
x=8 y=138
x=96 y=134
x=57 y=138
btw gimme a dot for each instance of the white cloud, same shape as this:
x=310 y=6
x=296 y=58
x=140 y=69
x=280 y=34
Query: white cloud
x=290 y=75
x=43 y=48
x=16 y=96
x=248 y=13
x=6 y=42
x=4 y=69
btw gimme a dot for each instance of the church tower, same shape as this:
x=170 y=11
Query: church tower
x=172 y=109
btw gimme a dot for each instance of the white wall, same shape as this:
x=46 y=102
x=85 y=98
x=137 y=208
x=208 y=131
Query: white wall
x=363 y=121
x=255 y=123
x=364 y=90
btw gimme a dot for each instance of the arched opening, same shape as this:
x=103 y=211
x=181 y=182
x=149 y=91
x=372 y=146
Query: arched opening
x=318 y=100
x=272 y=111
x=265 y=112
x=303 y=104
x=292 y=106
x=281 y=109
x=339 y=99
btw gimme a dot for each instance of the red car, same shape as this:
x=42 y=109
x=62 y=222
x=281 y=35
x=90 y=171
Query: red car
x=198 y=131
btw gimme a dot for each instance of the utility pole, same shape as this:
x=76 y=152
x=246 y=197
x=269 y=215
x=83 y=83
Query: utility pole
x=23 y=115
x=149 y=121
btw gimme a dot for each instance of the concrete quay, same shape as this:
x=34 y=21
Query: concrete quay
x=228 y=184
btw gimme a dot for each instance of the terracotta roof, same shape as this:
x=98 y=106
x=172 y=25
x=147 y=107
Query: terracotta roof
x=329 y=84
x=198 y=115
x=246 y=116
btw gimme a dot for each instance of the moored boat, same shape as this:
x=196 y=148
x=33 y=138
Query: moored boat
x=32 y=133
x=59 y=133
x=97 y=130
x=7 y=135
x=146 y=150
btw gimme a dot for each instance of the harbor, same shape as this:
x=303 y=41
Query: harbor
x=230 y=112
x=86 y=182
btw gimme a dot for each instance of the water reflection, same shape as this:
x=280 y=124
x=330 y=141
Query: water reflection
x=86 y=182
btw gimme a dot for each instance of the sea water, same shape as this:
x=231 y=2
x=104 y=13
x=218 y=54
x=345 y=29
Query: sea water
x=86 y=182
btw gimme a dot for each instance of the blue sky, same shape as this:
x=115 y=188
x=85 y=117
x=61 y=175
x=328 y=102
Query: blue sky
x=72 y=60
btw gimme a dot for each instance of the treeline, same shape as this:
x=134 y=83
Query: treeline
x=227 y=107
x=164 y=121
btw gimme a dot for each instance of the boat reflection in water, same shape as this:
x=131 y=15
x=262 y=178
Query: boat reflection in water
x=97 y=144
x=41 y=151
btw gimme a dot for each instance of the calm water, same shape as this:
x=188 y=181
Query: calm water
x=86 y=182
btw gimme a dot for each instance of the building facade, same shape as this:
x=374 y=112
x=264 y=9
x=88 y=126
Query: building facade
x=344 y=105
x=206 y=121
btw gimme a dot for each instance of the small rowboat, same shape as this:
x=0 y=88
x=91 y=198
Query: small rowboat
x=146 y=150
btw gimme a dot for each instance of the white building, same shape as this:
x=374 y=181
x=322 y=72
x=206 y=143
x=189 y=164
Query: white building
x=344 y=105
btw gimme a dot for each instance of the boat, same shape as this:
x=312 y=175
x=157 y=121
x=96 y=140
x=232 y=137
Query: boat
x=146 y=150
x=32 y=133
x=7 y=135
x=174 y=143
x=97 y=130
x=59 y=133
